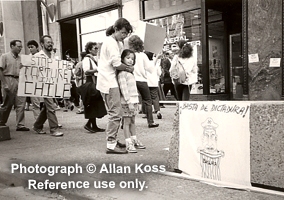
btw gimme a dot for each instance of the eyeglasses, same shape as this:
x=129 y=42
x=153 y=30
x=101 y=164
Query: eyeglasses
x=124 y=33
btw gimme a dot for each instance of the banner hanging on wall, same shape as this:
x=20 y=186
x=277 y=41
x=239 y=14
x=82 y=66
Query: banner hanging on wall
x=215 y=141
x=44 y=77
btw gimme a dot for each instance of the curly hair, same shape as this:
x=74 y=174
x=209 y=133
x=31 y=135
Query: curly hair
x=186 y=51
x=89 y=46
x=135 y=43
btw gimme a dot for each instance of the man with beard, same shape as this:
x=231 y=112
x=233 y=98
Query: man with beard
x=9 y=75
x=48 y=110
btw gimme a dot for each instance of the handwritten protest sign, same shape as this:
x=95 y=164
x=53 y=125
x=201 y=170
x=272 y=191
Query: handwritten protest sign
x=44 y=77
x=215 y=141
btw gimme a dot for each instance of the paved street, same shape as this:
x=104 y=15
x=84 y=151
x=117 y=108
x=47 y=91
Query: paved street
x=79 y=148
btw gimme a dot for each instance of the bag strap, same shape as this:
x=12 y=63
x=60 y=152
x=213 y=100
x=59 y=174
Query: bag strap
x=92 y=58
x=181 y=65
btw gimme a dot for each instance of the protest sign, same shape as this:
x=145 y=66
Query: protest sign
x=44 y=77
x=215 y=141
x=152 y=35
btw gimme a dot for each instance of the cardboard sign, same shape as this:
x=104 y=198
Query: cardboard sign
x=44 y=77
x=152 y=35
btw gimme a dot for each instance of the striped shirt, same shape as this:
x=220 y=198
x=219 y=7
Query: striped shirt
x=128 y=89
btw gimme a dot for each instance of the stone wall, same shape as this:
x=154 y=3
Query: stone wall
x=266 y=144
x=265 y=39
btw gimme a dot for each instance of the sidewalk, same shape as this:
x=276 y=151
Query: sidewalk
x=81 y=148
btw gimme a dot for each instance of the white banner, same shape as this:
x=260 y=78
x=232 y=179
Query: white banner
x=215 y=141
x=44 y=77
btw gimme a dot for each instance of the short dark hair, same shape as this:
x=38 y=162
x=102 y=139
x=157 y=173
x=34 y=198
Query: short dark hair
x=13 y=42
x=44 y=36
x=32 y=42
x=125 y=53
x=83 y=54
x=186 y=51
x=89 y=46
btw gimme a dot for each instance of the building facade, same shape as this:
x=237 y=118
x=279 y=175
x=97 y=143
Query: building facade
x=239 y=42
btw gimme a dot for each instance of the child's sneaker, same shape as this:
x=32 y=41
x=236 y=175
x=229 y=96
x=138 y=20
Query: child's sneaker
x=130 y=148
x=139 y=144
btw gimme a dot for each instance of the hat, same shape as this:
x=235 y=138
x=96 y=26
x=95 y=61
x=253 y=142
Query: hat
x=209 y=124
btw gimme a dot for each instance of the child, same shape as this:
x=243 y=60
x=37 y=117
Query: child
x=129 y=102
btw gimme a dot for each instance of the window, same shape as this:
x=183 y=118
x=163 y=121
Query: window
x=184 y=26
x=93 y=28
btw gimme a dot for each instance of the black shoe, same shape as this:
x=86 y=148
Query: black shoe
x=98 y=129
x=121 y=145
x=159 y=116
x=23 y=129
x=144 y=117
x=89 y=129
x=2 y=124
x=153 y=125
x=162 y=106
x=71 y=107
x=116 y=150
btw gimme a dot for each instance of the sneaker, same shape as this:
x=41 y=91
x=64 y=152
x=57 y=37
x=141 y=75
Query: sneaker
x=153 y=125
x=23 y=129
x=80 y=112
x=56 y=134
x=59 y=125
x=139 y=144
x=39 y=131
x=116 y=150
x=57 y=108
x=159 y=115
x=130 y=148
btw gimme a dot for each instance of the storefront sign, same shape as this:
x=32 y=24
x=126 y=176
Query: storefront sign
x=44 y=77
x=215 y=141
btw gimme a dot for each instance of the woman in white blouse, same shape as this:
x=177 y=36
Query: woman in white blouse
x=185 y=57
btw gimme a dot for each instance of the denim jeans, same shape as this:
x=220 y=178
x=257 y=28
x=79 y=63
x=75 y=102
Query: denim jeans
x=47 y=113
x=146 y=99
x=113 y=106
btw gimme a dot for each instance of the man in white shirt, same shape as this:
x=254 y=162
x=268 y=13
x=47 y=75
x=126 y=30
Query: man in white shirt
x=48 y=111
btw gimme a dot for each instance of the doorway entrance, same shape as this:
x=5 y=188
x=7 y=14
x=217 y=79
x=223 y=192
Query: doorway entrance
x=69 y=39
x=224 y=22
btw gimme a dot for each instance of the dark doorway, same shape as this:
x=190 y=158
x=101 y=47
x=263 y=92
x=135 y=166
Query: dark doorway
x=69 y=39
x=224 y=20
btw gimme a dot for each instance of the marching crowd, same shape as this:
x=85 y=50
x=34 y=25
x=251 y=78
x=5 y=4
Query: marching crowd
x=115 y=84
